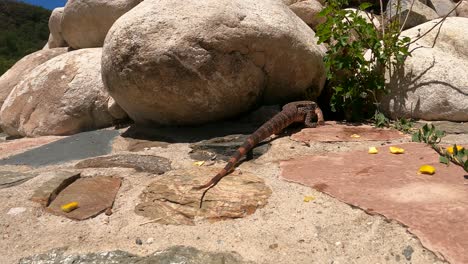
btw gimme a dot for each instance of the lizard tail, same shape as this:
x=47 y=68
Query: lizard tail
x=273 y=126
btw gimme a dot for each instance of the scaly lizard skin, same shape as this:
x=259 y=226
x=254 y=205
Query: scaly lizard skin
x=301 y=111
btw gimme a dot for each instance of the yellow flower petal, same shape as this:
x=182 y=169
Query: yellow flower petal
x=69 y=207
x=355 y=136
x=373 y=150
x=199 y=163
x=450 y=149
x=396 y=150
x=427 y=169
x=308 y=198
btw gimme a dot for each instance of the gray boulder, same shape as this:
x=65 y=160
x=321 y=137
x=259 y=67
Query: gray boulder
x=190 y=62
x=85 y=23
x=420 y=13
x=308 y=11
x=55 y=27
x=442 y=7
x=13 y=76
x=432 y=84
x=62 y=96
x=462 y=9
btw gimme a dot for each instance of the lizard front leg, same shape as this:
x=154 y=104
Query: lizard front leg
x=309 y=116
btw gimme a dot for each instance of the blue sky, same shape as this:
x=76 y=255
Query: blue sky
x=49 y=4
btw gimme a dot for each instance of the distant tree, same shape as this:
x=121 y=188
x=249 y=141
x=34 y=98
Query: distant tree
x=23 y=30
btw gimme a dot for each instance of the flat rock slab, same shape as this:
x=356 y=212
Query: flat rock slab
x=19 y=145
x=49 y=190
x=447 y=126
x=94 y=195
x=171 y=199
x=434 y=207
x=146 y=163
x=222 y=148
x=175 y=254
x=79 y=146
x=334 y=132
x=13 y=178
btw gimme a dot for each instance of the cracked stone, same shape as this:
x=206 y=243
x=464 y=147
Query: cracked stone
x=146 y=163
x=94 y=196
x=50 y=189
x=171 y=199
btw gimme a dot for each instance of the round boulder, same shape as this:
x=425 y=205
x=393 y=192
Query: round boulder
x=62 y=96
x=308 y=11
x=55 y=28
x=15 y=74
x=432 y=84
x=85 y=23
x=190 y=62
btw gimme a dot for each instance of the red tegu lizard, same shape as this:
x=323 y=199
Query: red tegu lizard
x=301 y=111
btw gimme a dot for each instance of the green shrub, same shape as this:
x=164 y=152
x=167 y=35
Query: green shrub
x=357 y=81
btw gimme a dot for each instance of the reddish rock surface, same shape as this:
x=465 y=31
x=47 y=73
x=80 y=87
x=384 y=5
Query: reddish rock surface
x=94 y=195
x=16 y=146
x=333 y=131
x=434 y=207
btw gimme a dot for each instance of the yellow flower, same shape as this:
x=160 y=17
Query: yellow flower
x=69 y=207
x=373 y=150
x=450 y=149
x=199 y=163
x=427 y=169
x=396 y=150
x=308 y=199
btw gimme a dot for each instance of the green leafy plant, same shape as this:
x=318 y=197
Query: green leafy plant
x=356 y=80
x=404 y=125
x=380 y=120
x=432 y=136
x=428 y=134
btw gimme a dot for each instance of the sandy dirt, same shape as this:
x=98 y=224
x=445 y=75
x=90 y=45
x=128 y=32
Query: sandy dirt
x=287 y=230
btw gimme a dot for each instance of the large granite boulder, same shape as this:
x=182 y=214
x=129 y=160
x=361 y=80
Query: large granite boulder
x=14 y=75
x=462 y=9
x=419 y=13
x=190 y=62
x=85 y=23
x=432 y=84
x=307 y=10
x=62 y=96
x=55 y=27
x=442 y=7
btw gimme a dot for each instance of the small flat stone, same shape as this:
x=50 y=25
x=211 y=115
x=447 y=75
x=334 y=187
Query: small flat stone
x=135 y=145
x=12 y=178
x=175 y=254
x=334 y=132
x=171 y=199
x=223 y=148
x=94 y=195
x=75 y=147
x=49 y=190
x=146 y=163
x=408 y=252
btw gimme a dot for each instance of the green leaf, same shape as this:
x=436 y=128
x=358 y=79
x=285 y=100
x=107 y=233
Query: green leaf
x=364 y=6
x=444 y=160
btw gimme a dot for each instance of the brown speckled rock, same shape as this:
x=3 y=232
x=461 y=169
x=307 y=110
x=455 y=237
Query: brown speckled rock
x=171 y=200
